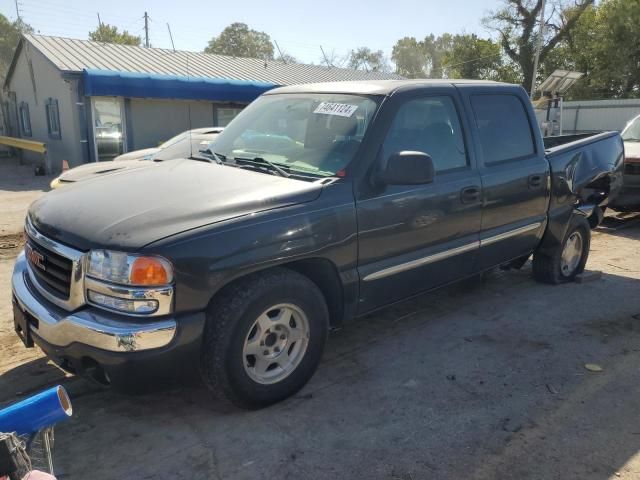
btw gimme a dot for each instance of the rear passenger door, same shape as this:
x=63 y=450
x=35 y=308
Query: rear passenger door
x=415 y=237
x=514 y=174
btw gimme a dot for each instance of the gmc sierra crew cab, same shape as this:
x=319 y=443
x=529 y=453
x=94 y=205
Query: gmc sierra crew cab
x=317 y=204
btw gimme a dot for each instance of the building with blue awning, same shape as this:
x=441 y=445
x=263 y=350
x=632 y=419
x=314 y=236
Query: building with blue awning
x=69 y=92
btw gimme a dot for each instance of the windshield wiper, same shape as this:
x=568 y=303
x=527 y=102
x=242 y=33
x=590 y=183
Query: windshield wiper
x=260 y=160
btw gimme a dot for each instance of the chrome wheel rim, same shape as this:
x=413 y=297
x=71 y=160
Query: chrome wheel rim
x=571 y=254
x=276 y=343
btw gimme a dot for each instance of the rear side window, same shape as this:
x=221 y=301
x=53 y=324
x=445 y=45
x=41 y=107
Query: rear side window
x=503 y=127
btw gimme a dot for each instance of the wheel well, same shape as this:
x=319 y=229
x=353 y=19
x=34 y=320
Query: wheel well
x=324 y=274
x=320 y=271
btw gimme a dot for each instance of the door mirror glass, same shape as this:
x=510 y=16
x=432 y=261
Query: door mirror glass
x=407 y=168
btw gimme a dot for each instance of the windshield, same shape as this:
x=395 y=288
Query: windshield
x=185 y=145
x=632 y=131
x=308 y=134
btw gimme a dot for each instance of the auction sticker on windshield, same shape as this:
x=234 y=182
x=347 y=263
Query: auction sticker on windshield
x=332 y=108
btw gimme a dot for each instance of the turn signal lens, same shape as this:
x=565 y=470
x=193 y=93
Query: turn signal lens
x=150 y=271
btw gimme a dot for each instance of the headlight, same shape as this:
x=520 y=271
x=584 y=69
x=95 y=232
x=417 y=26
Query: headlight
x=127 y=269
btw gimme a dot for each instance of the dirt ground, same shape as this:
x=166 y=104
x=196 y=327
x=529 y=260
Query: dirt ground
x=477 y=381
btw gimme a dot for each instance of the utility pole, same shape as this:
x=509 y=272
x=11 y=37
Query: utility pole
x=325 y=57
x=538 y=48
x=18 y=15
x=146 y=30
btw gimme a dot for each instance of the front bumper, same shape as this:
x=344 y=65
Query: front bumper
x=93 y=337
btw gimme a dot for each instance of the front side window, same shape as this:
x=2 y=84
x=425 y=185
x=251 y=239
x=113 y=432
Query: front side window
x=429 y=125
x=53 y=118
x=25 y=119
x=309 y=134
x=503 y=127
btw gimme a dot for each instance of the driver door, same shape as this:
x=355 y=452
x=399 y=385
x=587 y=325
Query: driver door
x=415 y=237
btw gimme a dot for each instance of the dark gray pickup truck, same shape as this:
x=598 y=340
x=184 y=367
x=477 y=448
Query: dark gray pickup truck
x=320 y=203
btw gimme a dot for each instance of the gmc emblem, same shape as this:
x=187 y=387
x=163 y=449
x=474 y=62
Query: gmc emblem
x=35 y=257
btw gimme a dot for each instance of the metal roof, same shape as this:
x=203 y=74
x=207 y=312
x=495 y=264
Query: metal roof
x=72 y=55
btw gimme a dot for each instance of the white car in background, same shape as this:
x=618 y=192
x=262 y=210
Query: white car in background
x=182 y=145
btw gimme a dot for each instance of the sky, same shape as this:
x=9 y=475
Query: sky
x=298 y=26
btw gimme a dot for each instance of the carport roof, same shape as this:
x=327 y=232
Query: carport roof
x=72 y=55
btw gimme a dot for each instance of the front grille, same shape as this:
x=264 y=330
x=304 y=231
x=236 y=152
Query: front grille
x=53 y=271
x=632 y=168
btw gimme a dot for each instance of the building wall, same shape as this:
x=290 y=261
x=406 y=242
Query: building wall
x=49 y=83
x=154 y=121
x=596 y=115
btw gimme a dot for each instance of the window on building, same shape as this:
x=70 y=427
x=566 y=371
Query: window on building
x=503 y=127
x=25 y=119
x=429 y=125
x=53 y=118
x=224 y=115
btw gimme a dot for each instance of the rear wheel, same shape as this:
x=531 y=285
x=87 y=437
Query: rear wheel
x=264 y=338
x=568 y=259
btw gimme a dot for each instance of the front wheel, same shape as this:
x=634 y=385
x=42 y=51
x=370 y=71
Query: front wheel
x=568 y=259
x=264 y=338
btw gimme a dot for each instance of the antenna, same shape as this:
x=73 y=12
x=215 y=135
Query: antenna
x=280 y=52
x=99 y=21
x=189 y=110
x=146 y=30
x=171 y=37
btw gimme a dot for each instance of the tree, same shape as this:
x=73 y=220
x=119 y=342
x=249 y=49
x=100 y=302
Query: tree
x=364 y=58
x=473 y=57
x=605 y=45
x=9 y=37
x=421 y=59
x=516 y=26
x=106 y=33
x=240 y=41
x=410 y=58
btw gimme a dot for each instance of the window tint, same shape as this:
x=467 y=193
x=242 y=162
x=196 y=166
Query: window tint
x=430 y=125
x=53 y=118
x=25 y=119
x=503 y=127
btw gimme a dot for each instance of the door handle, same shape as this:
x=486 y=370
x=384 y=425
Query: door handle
x=470 y=194
x=535 y=181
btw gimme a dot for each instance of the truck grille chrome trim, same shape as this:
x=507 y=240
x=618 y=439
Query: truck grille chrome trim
x=64 y=284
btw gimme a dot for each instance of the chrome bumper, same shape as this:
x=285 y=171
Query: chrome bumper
x=89 y=326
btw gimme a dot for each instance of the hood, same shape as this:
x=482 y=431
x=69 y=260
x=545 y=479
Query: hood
x=632 y=149
x=144 y=154
x=130 y=209
x=90 y=170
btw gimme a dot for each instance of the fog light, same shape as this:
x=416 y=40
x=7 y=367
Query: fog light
x=123 y=304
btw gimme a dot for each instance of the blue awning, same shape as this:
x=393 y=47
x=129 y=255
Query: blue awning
x=153 y=85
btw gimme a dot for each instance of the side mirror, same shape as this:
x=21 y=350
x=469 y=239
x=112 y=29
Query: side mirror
x=407 y=168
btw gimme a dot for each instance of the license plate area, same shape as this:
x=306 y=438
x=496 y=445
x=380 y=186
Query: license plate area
x=21 y=321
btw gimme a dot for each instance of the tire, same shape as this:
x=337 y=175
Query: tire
x=247 y=320
x=554 y=269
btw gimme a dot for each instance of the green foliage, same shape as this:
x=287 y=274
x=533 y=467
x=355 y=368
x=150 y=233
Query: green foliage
x=109 y=34
x=605 y=45
x=239 y=40
x=9 y=37
x=364 y=58
x=517 y=24
x=452 y=56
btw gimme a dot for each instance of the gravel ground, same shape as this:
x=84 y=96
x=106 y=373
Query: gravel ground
x=482 y=380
